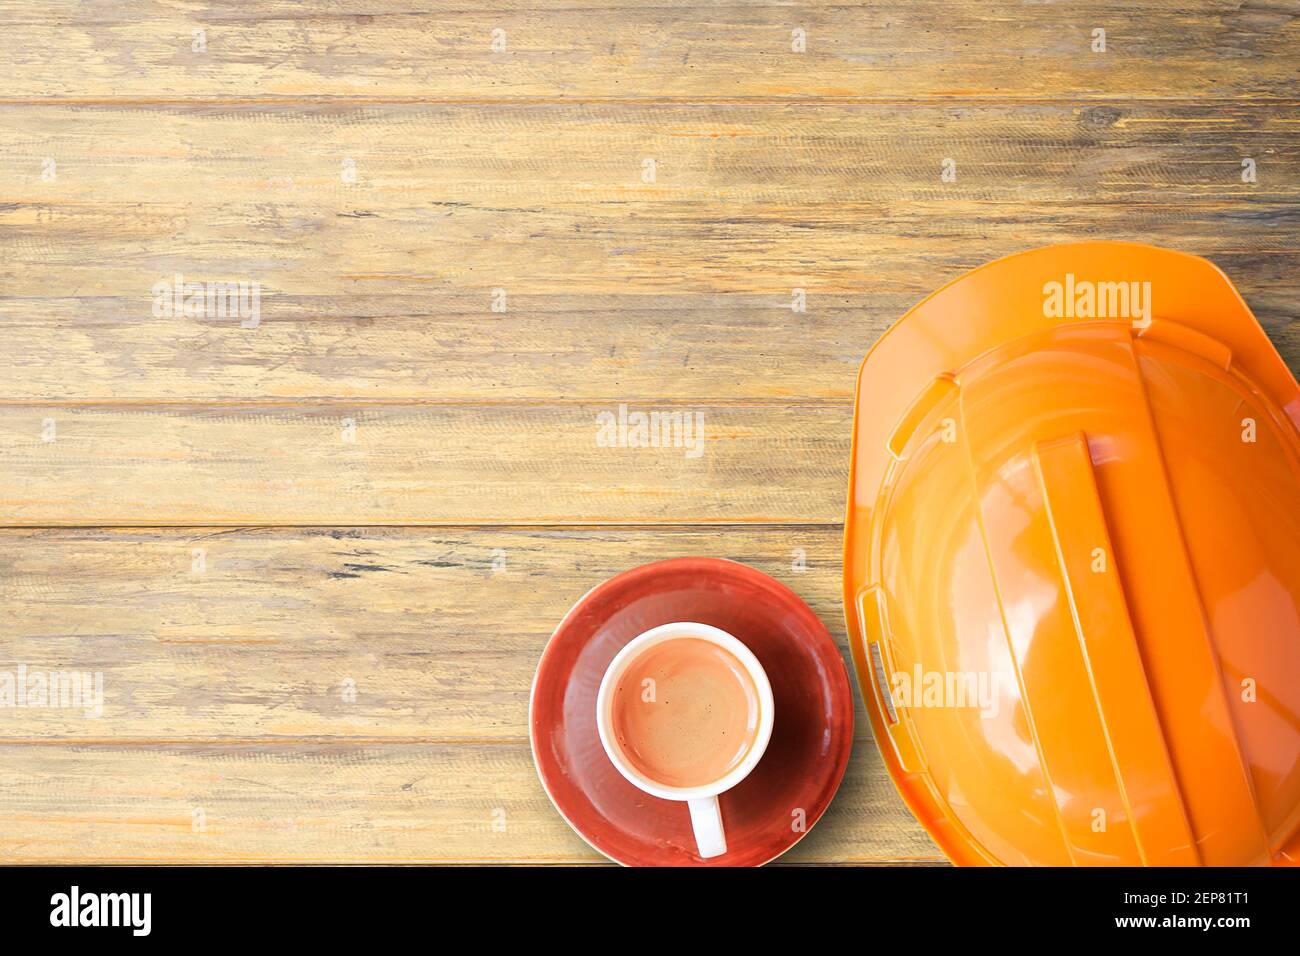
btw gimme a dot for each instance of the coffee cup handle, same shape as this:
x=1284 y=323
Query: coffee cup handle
x=706 y=821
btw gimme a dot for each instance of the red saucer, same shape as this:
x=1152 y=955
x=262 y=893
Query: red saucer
x=805 y=759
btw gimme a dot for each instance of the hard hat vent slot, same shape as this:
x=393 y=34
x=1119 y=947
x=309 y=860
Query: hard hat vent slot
x=939 y=390
x=882 y=681
x=1189 y=340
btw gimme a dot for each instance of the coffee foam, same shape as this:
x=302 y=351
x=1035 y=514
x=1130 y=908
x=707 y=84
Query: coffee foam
x=685 y=712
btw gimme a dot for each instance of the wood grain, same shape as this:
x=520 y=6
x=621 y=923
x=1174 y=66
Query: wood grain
x=419 y=464
x=411 y=464
x=507 y=156
x=613 y=286
x=218 y=635
x=342 y=802
x=118 y=249
x=145 y=49
x=446 y=346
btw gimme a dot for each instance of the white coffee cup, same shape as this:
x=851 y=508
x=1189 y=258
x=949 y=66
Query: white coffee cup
x=706 y=816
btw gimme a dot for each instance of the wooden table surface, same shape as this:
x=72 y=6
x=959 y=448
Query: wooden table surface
x=316 y=556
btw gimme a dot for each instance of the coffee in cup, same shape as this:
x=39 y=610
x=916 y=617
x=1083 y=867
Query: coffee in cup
x=685 y=712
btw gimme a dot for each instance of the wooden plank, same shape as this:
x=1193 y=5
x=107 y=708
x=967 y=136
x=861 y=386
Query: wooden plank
x=449 y=346
x=446 y=346
x=516 y=157
x=438 y=464
x=384 y=289
x=343 y=803
x=213 y=635
x=146 y=49
x=120 y=250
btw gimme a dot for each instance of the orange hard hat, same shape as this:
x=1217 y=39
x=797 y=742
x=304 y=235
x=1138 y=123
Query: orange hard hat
x=1072 y=564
